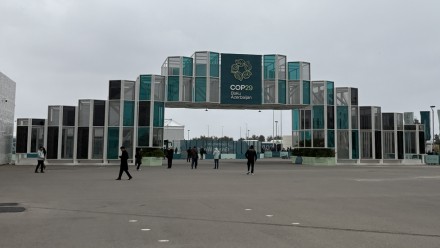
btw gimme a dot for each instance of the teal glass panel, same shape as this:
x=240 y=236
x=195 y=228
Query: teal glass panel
x=282 y=91
x=306 y=92
x=330 y=93
x=173 y=88
x=355 y=144
x=318 y=117
x=330 y=138
x=293 y=70
x=143 y=136
x=295 y=119
x=113 y=143
x=342 y=117
x=269 y=67
x=308 y=138
x=200 y=93
x=159 y=113
x=187 y=66
x=214 y=65
x=145 y=87
x=128 y=113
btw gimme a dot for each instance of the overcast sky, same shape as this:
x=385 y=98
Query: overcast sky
x=59 y=51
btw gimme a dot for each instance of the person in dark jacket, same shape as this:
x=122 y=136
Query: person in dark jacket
x=194 y=157
x=169 y=155
x=124 y=164
x=138 y=158
x=251 y=156
x=188 y=155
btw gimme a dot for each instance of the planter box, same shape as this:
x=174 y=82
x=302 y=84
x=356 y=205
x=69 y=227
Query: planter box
x=152 y=161
x=316 y=160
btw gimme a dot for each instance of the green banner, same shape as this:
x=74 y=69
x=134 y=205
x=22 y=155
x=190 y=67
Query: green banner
x=241 y=79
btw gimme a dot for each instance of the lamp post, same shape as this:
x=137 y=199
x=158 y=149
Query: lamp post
x=276 y=129
x=188 y=134
x=432 y=109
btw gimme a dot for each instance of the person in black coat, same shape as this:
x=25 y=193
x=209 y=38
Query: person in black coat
x=251 y=156
x=124 y=164
x=169 y=155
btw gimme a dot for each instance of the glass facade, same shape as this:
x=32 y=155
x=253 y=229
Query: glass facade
x=145 y=88
x=173 y=88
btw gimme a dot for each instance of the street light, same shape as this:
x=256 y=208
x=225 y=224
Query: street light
x=276 y=129
x=432 y=109
x=188 y=134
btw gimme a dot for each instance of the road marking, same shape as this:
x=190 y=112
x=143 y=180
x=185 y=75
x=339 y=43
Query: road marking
x=394 y=179
x=248 y=209
x=132 y=221
x=295 y=223
x=145 y=229
x=269 y=215
x=163 y=240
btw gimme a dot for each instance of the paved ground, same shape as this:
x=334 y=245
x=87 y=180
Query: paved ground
x=282 y=205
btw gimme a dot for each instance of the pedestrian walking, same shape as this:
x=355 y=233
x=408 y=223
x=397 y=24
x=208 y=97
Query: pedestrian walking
x=40 y=163
x=251 y=156
x=216 y=155
x=188 y=155
x=202 y=151
x=124 y=164
x=194 y=157
x=138 y=159
x=169 y=155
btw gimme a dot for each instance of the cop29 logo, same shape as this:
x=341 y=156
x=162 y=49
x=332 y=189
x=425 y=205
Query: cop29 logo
x=241 y=69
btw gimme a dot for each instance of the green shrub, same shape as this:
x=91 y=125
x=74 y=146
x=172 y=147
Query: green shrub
x=313 y=152
x=152 y=152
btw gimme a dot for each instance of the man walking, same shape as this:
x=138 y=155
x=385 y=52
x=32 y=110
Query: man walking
x=124 y=164
x=41 y=157
x=251 y=156
x=194 y=157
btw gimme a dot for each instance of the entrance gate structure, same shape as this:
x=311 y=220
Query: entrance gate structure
x=133 y=114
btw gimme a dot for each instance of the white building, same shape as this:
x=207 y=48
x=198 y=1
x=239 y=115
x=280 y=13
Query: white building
x=7 y=110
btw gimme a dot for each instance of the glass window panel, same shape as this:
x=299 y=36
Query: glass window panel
x=355 y=144
x=144 y=113
x=173 y=88
x=281 y=67
x=157 y=137
x=305 y=71
x=159 y=88
x=366 y=145
x=330 y=93
x=214 y=90
x=306 y=92
x=129 y=90
x=294 y=71
x=37 y=138
x=295 y=139
x=173 y=66
x=388 y=121
x=269 y=67
x=318 y=117
x=159 y=113
x=145 y=88
x=113 y=143
x=378 y=144
x=307 y=138
x=143 y=136
x=200 y=93
x=410 y=143
x=114 y=113
x=422 y=142
x=354 y=96
x=21 y=139
x=365 y=118
x=214 y=64
x=187 y=66
x=389 y=145
x=201 y=64
x=84 y=113
x=342 y=117
x=294 y=92
x=269 y=91
x=330 y=138
x=331 y=117
x=343 y=144
x=377 y=118
x=187 y=89
x=98 y=143
x=38 y=122
x=82 y=146
x=54 y=115
x=400 y=145
x=127 y=140
x=318 y=92
x=67 y=143
x=69 y=116
x=128 y=113
x=318 y=138
x=24 y=122
x=98 y=113
x=342 y=98
x=354 y=117
x=399 y=120
x=296 y=119
x=114 y=92
x=282 y=91
x=52 y=143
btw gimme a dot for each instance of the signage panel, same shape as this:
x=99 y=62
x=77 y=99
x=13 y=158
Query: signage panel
x=241 y=79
